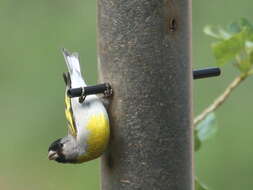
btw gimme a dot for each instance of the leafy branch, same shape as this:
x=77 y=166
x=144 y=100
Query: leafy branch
x=234 y=45
x=221 y=99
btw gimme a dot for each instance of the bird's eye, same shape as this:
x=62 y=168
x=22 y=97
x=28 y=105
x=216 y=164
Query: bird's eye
x=61 y=145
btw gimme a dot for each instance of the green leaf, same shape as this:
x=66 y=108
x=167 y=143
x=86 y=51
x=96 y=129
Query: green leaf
x=238 y=26
x=216 y=32
x=199 y=186
x=243 y=62
x=249 y=51
x=234 y=44
x=243 y=22
x=249 y=46
x=232 y=29
x=204 y=130
x=226 y=50
x=207 y=127
x=244 y=59
x=197 y=141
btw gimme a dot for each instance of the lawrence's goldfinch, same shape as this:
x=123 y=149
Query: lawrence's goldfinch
x=88 y=123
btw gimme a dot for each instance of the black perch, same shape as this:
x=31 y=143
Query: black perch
x=106 y=89
x=207 y=72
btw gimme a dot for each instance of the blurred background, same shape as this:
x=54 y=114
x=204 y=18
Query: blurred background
x=31 y=99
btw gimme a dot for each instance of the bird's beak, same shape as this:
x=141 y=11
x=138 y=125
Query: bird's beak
x=52 y=155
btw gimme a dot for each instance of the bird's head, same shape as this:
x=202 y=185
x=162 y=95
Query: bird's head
x=63 y=150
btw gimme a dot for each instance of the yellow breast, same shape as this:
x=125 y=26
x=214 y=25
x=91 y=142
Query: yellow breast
x=99 y=133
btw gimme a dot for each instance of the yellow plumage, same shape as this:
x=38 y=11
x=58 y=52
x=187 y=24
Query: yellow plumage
x=99 y=133
x=69 y=116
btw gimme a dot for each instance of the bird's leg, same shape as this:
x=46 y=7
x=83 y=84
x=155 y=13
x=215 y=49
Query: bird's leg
x=108 y=92
x=83 y=96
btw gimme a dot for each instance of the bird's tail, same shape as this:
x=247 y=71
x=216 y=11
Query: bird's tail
x=72 y=61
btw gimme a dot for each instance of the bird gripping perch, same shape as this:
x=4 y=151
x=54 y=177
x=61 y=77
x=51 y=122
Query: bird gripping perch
x=104 y=88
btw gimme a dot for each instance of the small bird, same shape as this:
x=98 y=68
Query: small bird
x=88 y=122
